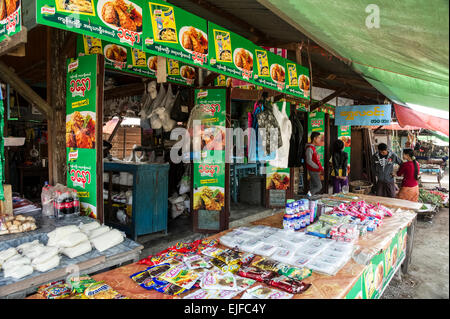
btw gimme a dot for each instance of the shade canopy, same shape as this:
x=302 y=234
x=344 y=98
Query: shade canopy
x=405 y=58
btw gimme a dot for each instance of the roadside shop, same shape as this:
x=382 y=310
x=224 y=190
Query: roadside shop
x=149 y=65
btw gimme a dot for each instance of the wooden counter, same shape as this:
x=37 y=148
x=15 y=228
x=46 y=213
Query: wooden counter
x=323 y=287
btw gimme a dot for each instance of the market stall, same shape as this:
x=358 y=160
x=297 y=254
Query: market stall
x=77 y=250
x=377 y=256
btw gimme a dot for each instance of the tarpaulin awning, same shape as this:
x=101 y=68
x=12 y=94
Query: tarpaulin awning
x=405 y=57
x=397 y=127
x=407 y=116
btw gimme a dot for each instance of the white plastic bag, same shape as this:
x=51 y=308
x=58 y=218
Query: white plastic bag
x=282 y=157
x=72 y=240
x=19 y=271
x=34 y=251
x=60 y=232
x=47 y=253
x=107 y=240
x=98 y=231
x=15 y=262
x=78 y=250
x=86 y=228
x=25 y=246
x=7 y=254
x=47 y=265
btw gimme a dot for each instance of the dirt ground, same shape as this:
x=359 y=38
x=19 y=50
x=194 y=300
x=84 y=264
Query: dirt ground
x=428 y=276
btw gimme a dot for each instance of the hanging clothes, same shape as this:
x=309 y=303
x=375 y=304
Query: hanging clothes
x=296 y=145
x=266 y=120
x=253 y=139
x=282 y=155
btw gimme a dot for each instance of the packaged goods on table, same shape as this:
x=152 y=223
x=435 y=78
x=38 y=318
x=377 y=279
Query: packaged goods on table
x=107 y=240
x=16 y=224
x=101 y=290
x=55 y=290
x=180 y=276
x=217 y=280
x=256 y=274
x=290 y=285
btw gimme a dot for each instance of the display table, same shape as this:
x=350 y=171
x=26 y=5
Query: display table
x=94 y=261
x=354 y=280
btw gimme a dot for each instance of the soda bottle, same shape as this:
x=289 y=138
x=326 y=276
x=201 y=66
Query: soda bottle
x=58 y=205
x=68 y=203
x=76 y=202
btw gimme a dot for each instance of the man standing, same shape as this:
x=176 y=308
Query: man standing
x=383 y=165
x=313 y=164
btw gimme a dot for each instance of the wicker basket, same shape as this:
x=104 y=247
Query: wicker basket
x=360 y=187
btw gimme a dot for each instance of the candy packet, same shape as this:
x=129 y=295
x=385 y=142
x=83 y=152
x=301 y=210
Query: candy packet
x=225 y=267
x=244 y=283
x=212 y=251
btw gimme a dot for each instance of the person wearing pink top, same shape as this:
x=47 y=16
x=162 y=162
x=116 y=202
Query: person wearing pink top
x=410 y=170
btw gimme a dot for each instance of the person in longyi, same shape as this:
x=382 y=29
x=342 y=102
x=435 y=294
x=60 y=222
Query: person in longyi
x=410 y=171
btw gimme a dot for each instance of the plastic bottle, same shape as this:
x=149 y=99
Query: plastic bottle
x=47 y=200
x=68 y=202
x=76 y=202
x=58 y=205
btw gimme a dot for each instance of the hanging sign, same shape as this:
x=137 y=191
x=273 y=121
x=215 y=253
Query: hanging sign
x=365 y=115
x=297 y=80
x=271 y=70
x=230 y=54
x=345 y=135
x=119 y=57
x=81 y=131
x=316 y=123
x=209 y=167
x=10 y=18
x=175 y=33
x=120 y=22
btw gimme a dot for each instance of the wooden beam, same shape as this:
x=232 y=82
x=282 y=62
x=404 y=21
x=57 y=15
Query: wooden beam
x=326 y=99
x=9 y=76
x=11 y=43
x=70 y=46
x=50 y=136
x=125 y=90
x=210 y=78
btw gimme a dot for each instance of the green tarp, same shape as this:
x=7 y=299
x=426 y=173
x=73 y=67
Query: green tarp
x=406 y=58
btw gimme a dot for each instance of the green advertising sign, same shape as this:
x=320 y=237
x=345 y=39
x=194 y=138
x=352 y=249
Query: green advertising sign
x=316 y=123
x=174 y=33
x=118 y=57
x=357 y=291
x=209 y=169
x=270 y=70
x=81 y=126
x=119 y=22
x=179 y=72
x=345 y=135
x=230 y=54
x=10 y=18
x=297 y=81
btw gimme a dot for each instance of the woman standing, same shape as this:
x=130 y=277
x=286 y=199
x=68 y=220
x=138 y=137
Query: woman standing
x=339 y=161
x=410 y=170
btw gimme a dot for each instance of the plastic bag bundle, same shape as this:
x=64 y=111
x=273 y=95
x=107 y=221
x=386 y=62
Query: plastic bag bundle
x=78 y=250
x=107 y=240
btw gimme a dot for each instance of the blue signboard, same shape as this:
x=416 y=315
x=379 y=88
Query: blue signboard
x=366 y=115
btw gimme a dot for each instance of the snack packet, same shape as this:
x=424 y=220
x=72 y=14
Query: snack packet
x=80 y=284
x=143 y=279
x=229 y=256
x=267 y=264
x=55 y=290
x=261 y=292
x=201 y=294
x=180 y=276
x=218 y=281
x=256 y=273
x=211 y=251
x=244 y=283
x=290 y=285
x=196 y=262
x=100 y=290
x=294 y=272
